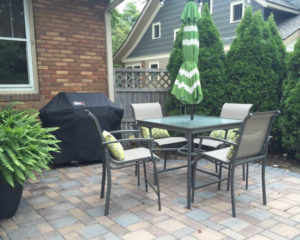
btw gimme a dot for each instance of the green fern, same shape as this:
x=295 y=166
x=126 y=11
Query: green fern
x=25 y=146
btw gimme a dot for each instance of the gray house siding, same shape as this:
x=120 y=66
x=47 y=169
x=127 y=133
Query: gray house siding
x=169 y=18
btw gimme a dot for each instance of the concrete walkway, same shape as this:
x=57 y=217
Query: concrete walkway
x=65 y=204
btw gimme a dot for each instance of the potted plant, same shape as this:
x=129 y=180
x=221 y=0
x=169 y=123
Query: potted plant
x=25 y=149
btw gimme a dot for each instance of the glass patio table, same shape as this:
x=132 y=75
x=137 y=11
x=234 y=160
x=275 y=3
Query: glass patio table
x=184 y=124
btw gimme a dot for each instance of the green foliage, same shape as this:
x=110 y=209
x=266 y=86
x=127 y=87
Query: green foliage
x=279 y=65
x=211 y=66
x=290 y=120
x=252 y=77
x=173 y=106
x=24 y=145
x=122 y=23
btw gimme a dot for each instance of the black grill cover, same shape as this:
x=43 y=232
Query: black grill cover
x=77 y=132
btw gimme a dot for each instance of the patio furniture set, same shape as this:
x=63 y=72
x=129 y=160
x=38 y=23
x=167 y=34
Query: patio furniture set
x=243 y=138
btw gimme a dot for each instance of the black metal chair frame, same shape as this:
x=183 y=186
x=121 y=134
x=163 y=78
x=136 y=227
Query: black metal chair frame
x=109 y=163
x=231 y=165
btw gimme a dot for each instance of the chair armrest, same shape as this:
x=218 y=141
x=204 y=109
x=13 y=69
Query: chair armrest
x=130 y=140
x=125 y=131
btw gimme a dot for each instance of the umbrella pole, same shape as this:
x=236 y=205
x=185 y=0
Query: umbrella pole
x=192 y=112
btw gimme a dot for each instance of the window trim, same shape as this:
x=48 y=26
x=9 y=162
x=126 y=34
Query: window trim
x=176 y=30
x=32 y=86
x=232 y=4
x=153 y=30
x=133 y=66
x=152 y=63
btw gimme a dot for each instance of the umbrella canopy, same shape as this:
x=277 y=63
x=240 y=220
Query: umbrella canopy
x=187 y=86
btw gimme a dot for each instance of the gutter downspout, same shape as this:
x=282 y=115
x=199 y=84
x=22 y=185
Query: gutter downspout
x=109 y=55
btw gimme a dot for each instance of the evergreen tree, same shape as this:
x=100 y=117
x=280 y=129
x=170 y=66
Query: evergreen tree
x=211 y=67
x=280 y=59
x=174 y=106
x=279 y=65
x=290 y=120
x=251 y=78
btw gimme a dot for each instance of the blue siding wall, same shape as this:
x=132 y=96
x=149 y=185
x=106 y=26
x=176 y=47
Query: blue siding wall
x=169 y=18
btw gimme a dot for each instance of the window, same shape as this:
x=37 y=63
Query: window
x=236 y=11
x=133 y=66
x=154 y=75
x=133 y=78
x=16 y=71
x=156 y=31
x=176 y=31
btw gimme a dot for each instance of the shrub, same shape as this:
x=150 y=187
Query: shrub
x=251 y=77
x=290 y=119
x=211 y=66
x=25 y=146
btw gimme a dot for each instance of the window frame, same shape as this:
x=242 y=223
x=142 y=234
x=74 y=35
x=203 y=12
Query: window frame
x=153 y=30
x=232 y=5
x=133 y=66
x=153 y=63
x=32 y=85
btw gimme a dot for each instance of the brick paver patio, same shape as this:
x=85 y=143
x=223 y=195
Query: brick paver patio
x=65 y=204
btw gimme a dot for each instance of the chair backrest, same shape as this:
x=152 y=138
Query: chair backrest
x=254 y=134
x=97 y=125
x=146 y=110
x=235 y=110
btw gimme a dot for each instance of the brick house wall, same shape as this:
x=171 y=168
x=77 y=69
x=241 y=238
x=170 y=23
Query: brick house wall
x=70 y=49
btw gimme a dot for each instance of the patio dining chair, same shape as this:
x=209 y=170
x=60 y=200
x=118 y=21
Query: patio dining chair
x=130 y=157
x=251 y=145
x=229 y=110
x=164 y=144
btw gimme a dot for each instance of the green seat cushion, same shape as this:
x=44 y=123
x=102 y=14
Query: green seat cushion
x=232 y=148
x=156 y=133
x=115 y=149
x=221 y=134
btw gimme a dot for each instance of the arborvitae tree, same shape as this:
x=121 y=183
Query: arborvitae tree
x=211 y=66
x=280 y=57
x=249 y=65
x=290 y=119
x=279 y=65
x=172 y=105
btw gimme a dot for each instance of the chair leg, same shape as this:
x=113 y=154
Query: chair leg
x=145 y=176
x=220 y=176
x=216 y=167
x=138 y=174
x=107 y=202
x=165 y=160
x=232 y=190
x=194 y=180
x=103 y=179
x=244 y=172
x=263 y=178
x=247 y=174
x=157 y=183
x=228 y=177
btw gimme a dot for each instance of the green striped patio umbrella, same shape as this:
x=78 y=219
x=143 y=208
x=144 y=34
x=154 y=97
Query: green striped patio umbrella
x=187 y=86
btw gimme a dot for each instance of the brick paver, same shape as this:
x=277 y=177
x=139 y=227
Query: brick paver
x=65 y=203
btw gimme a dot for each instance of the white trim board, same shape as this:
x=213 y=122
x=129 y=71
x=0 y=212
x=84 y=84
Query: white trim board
x=146 y=58
x=266 y=4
